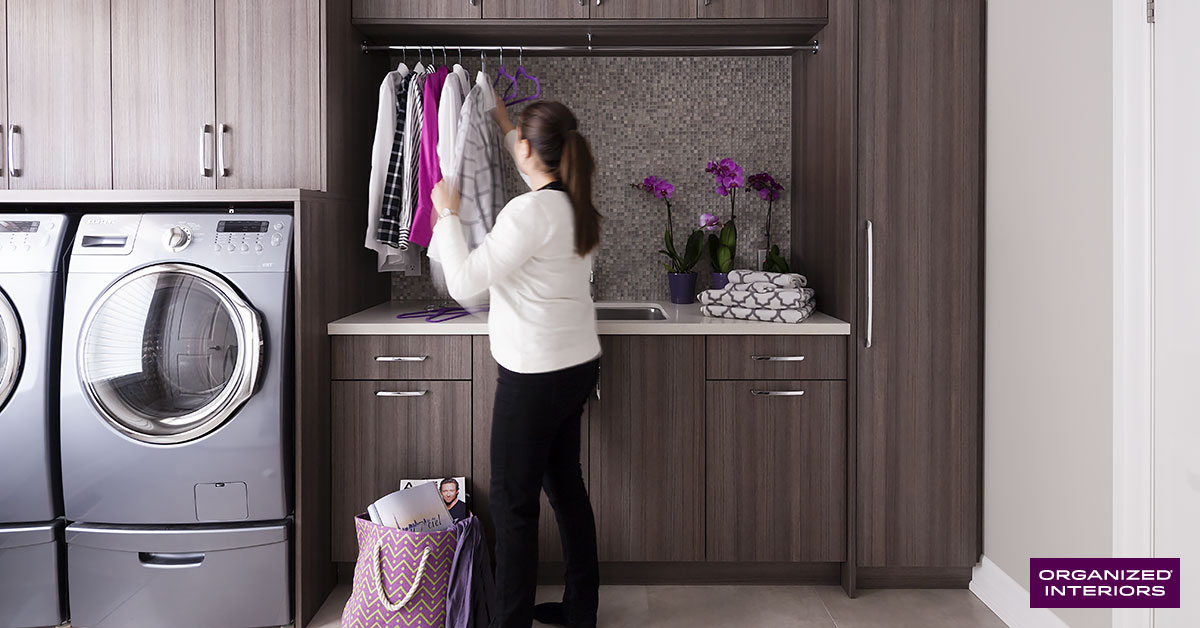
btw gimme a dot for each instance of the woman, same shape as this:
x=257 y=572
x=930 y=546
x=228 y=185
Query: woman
x=535 y=264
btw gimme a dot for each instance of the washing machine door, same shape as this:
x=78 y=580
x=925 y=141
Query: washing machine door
x=12 y=349
x=169 y=352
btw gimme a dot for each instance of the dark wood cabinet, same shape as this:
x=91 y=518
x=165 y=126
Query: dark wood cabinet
x=417 y=9
x=920 y=206
x=787 y=9
x=776 y=357
x=386 y=431
x=647 y=449
x=483 y=397
x=535 y=9
x=776 y=460
x=643 y=9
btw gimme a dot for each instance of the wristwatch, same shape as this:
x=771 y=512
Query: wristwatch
x=444 y=212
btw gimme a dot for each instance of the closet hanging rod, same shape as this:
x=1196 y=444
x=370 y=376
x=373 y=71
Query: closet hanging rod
x=813 y=48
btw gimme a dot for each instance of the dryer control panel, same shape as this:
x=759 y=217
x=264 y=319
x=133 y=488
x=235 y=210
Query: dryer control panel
x=29 y=243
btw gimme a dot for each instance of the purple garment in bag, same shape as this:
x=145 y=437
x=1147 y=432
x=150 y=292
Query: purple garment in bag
x=430 y=170
x=471 y=600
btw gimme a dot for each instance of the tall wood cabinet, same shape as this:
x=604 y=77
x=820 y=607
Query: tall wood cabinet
x=763 y=8
x=59 y=132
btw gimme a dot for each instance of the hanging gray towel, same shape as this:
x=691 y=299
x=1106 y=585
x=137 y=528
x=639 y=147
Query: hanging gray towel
x=774 y=300
x=766 y=316
x=783 y=280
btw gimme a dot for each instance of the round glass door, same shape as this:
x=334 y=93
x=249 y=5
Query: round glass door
x=12 y=349
x=169 y=353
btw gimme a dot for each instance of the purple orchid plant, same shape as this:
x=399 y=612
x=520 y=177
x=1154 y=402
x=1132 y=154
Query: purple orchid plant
x=659 y=188
x=722 y=248
x=769 y=190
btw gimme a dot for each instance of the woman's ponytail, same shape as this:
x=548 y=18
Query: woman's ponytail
x=576 y=170
x=553 y=132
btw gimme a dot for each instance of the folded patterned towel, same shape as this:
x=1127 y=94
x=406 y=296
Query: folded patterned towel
x=778 y=299
x=757 y=286
x=783 y=280
x=767 y=316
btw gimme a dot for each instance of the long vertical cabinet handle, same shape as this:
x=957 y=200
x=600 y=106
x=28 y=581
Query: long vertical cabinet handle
x=205 y=170
x=221 y=170
x=14 y=169
x=870 y=284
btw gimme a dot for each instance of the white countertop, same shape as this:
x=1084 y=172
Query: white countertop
x=682 y=320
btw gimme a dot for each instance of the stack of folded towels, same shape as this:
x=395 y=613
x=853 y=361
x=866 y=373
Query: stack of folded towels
x=753 y=295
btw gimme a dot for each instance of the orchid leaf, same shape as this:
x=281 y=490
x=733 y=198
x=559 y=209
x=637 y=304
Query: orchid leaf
x=694 y=250
x=724 y=260
x=714 y=243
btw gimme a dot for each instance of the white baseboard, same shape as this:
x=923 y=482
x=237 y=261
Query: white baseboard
x=1008 y=599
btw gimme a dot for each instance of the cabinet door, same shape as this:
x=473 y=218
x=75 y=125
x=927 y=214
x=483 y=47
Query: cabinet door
x=776 y=459
x=647 y=449
x=483 y=396
x=370 y=9
x=919 y=383
x=618 y=9
x=163 y=94
x=379 y=440
x=269 y=122
x=3 y=102
x=535 y=9
x=59 y=96
x=792 y=9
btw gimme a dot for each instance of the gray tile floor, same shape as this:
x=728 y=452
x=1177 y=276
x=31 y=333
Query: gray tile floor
x=761 y=607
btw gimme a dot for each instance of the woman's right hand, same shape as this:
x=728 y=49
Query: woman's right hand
x=500 y=113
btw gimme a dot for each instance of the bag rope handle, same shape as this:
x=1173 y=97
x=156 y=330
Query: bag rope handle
x=378 y=581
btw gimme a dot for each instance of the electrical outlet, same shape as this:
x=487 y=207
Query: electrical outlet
x=762 y=257
x=412 y=264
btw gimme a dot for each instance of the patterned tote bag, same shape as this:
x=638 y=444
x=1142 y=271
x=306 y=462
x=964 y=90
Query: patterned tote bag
x=401 y=579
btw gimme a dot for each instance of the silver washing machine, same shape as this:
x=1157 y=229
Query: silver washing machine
x=176 y=420
x=30 y=261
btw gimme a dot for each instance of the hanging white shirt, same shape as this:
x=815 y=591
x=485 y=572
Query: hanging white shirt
x=381 y=154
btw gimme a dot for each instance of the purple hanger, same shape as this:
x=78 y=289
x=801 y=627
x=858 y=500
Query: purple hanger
x=522 y=73
x=502 y=73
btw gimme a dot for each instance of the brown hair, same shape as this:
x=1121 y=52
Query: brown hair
x=553 y=133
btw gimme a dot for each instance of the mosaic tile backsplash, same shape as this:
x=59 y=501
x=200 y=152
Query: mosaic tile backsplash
x=664 y=116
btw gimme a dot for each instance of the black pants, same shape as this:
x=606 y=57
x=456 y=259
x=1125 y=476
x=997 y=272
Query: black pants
x=535 y=445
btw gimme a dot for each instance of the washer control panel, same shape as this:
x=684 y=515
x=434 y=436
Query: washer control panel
x=248 y=236
x=30 y=242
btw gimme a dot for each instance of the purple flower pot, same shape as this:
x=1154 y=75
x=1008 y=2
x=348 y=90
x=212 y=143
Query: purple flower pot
x=720 y=280
x=683 y=287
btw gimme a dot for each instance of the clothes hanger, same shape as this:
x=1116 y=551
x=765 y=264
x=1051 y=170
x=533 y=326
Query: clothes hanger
x=502 y=73
x=522 y=73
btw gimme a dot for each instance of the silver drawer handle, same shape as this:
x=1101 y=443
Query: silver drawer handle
x=401 y=393
x=777 y=358
x=777 y=393
x=401 y=358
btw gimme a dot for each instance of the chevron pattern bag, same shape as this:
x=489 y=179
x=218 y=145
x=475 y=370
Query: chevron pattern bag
x=401 y=579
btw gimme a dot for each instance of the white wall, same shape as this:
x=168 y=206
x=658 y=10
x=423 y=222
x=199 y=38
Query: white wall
x=1049 y=365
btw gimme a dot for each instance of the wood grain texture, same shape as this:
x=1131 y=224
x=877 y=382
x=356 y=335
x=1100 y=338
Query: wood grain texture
x=535 y=9
x=825 y=232
x=483 y=396
x=268 y=93
x=764 y=8
x=447 y=357
x=59 y=93
x=776 y=485
x=914 y=577
x=349 y=91
x=163 y=94
x=3 y=100
x=379 y=441
x=919 y=393
x=692 y=573
x=327 y=249
x=642 y=9
x=417 y=9
x=732 y=357
x=647 y=449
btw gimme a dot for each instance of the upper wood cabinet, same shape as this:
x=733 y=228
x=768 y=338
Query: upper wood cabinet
x=785 y=9
x=535 y=9
x=59 y=105
x=163 y=91
x=269 y=121
x=919 y=404
x=445 y=9
x=644 y=9
x=3 y=108
x=647 y=449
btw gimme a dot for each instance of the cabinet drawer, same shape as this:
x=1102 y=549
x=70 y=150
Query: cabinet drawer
x=776 y=482
x=383 y=432
x=401 y=357
x=776 y=357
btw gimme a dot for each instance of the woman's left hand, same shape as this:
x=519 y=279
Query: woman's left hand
x=444 y=196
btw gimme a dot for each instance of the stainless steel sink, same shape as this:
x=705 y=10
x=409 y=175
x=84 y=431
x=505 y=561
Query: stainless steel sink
x=630 y=313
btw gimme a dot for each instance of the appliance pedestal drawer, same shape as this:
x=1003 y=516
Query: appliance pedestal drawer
x=29 y=588
x=120 y=577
